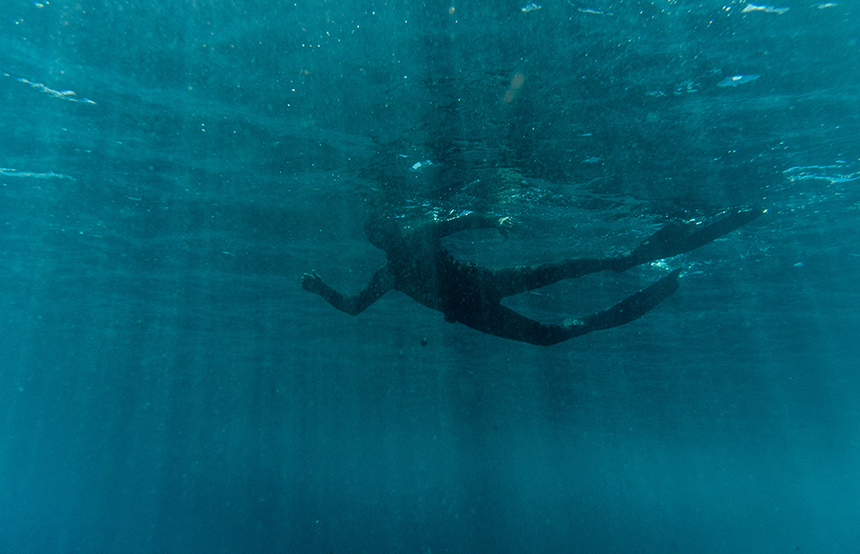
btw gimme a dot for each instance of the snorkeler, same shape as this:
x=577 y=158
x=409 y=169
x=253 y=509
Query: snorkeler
x=418 y=265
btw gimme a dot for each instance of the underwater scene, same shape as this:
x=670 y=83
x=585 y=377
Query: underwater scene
x=357 y=276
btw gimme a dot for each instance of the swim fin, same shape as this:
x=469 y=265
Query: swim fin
x=677 y=238
x=633 y=307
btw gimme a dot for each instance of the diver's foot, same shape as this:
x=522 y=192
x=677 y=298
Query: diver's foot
x=677 y=238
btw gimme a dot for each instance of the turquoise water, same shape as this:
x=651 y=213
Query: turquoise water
x=168 y=170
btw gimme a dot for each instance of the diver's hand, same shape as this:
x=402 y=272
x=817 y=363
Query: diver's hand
x=507 y=225
x=312 y=282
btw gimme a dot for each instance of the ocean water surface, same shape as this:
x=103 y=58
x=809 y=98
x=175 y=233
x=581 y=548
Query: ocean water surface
x=170 y=169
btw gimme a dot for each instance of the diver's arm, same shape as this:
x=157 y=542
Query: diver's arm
x=474 y=220
x=378 y=285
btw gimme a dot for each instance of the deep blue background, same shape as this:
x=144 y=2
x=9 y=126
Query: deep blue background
x=167 y=386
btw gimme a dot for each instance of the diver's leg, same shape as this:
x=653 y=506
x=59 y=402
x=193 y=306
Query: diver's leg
x=671 y=240
x=508 y=281
x=504 y=322
x=677 y=238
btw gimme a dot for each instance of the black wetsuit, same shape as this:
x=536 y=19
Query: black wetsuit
x=418 y=265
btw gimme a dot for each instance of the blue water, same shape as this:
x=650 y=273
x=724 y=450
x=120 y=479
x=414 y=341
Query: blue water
x=169 y=169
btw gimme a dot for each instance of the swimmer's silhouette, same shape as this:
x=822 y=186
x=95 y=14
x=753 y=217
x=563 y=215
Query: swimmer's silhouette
x=419 y=266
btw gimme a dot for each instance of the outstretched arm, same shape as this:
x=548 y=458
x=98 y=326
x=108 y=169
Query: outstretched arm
x=474 y=220
x=379 y=284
